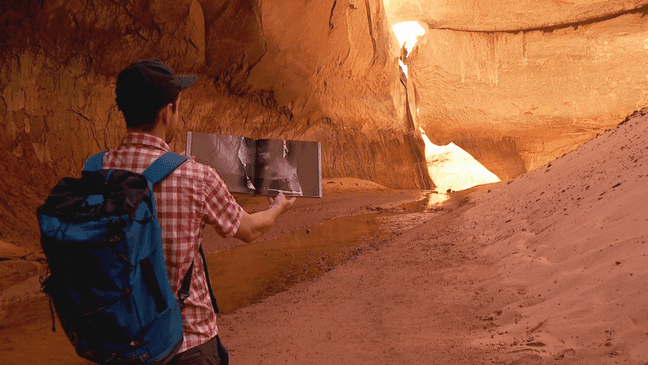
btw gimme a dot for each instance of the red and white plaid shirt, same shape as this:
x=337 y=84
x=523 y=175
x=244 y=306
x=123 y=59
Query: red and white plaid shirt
x=188 y=198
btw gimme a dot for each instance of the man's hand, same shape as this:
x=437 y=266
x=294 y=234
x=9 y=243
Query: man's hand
x=281 y=201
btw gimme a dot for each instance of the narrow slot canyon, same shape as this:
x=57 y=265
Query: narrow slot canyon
x=496 y=150
x=450 y=167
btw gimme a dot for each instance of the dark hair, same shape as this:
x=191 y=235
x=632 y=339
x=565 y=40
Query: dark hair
x=145 y=87
x=143 y=115
x=137 y=117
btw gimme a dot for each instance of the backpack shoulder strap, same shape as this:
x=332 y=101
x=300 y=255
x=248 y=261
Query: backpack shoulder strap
x=183 y=293
x=209 y=285
x=94 y=163
x=163 y=166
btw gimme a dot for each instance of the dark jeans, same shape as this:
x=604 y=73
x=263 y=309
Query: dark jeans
x=211 y=352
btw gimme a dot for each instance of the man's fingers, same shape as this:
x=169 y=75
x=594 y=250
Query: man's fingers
x=290 y=203
x=281 y=199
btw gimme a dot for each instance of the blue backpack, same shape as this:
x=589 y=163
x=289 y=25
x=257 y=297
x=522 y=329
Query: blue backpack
x=107 y=278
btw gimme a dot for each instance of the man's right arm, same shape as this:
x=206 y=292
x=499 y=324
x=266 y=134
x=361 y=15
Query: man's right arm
x=255 y=225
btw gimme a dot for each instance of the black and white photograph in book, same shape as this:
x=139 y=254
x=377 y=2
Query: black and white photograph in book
x=277 y=168
x=231 y=156
x=261 y=167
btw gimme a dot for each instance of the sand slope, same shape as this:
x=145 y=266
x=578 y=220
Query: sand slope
x=572 y=237
x=550 y=268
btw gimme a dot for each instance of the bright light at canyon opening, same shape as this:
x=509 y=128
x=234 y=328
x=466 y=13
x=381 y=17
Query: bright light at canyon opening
x=407 y=34
x=450 y=167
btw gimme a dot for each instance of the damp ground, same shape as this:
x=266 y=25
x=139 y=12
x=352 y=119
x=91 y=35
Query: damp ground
x=248 y=273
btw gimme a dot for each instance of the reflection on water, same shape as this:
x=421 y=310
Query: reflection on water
x=432 y=199
x=246 y=274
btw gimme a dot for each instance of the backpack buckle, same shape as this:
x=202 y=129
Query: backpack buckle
x=181 y=300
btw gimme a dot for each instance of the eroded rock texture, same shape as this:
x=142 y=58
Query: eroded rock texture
x=324 y=71
x=519 y=83
x=507 y=15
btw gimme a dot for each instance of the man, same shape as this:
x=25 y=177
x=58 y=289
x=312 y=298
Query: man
x=148 y=95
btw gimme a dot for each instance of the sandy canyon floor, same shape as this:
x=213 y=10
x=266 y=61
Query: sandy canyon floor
x=549 y=268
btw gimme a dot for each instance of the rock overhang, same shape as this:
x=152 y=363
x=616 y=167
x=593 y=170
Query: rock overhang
x=518 y=84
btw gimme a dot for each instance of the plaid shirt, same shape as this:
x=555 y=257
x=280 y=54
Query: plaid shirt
x=188 y=198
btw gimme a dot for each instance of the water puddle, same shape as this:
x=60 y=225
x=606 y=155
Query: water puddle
x=430 y=201
x=249 y=273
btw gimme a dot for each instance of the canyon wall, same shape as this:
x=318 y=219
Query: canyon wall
x=325 y=71
x=507 y=15
x=519 y=83
x=514 y=83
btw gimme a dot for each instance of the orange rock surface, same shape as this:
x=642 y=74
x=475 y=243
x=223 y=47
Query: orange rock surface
x=520 y=83
x=320 y=71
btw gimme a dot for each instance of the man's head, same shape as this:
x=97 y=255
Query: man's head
x=147 y=90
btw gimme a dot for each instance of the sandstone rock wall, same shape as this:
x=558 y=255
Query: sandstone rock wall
x=507 y=15
x=516 y=95
x=338 y=76
x=292 y=69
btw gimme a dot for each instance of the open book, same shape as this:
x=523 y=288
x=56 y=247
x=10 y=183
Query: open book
x=263 y=166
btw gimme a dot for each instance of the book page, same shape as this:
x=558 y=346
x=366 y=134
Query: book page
x=289 y=167
x=231 y=156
